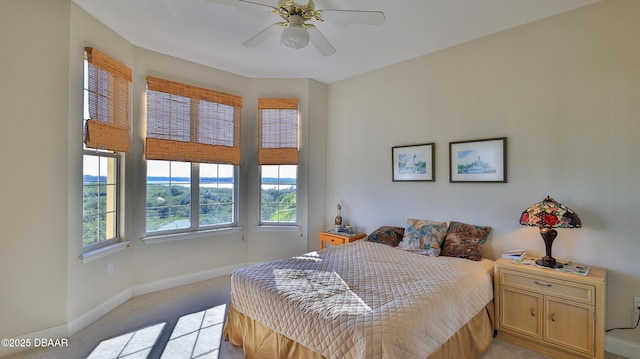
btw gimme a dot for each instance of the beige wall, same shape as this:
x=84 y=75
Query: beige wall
x=565 y=91
x=34 y=63
x=50 y=292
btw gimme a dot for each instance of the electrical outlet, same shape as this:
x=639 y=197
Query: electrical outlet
x=110 y=268
x=636 y=305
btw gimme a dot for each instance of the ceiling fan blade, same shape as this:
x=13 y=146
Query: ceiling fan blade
x=311 y=5
x=263 y=35
x=320 y=42
x=244 y=3
x=353 y=17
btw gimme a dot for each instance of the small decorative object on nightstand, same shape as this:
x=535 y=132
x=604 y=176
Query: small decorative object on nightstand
x=338 y=220
x=338 y=238
x=556 y=313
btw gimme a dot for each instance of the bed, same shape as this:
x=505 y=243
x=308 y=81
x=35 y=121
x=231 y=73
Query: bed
x=362 y=300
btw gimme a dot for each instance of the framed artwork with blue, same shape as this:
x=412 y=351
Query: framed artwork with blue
x=478 y=160
x=413 y=163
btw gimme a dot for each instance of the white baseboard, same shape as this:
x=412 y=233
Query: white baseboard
x=622 y=347
x=84 y=320
x=98 y=312
x=183 y=280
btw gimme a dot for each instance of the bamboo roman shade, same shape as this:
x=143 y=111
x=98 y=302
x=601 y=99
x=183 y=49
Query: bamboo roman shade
x=108 y=102
x=191 y=124
x=278 y=131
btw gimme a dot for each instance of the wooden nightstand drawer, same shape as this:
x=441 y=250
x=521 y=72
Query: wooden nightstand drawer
x=339 y=238
x=335 y=240
x=539 y=284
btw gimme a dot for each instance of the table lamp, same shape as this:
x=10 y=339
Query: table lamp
x=547 y=215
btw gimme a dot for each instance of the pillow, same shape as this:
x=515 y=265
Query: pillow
x=465 y=240
x=423 y=236
x=387 y=235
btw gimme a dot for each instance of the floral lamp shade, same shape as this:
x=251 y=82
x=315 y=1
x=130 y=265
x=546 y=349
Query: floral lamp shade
x=550 y=214
x=547 y=215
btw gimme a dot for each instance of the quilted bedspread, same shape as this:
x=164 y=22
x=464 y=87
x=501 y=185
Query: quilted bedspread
x=364 y=299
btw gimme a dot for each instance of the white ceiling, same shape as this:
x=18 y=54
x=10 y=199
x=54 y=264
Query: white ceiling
x=212 y=34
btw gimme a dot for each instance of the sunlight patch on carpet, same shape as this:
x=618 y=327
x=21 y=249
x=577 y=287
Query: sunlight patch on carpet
x=137 y=344
x=197 y=335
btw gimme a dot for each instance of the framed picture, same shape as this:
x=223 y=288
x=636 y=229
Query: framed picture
x=413 y=163
x=478 y=160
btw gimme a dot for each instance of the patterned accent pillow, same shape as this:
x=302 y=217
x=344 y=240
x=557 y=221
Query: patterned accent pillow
x=387 y=235
x=423 y=236
x=465 y=240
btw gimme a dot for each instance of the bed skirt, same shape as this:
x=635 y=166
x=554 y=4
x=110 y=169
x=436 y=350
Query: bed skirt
x=260 y=342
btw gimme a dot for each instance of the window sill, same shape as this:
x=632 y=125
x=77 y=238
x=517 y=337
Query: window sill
x=272 y=228
x=191 y=235
x=95 y=254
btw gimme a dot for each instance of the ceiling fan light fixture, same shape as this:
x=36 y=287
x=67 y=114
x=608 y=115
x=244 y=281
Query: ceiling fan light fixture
x=295 y=35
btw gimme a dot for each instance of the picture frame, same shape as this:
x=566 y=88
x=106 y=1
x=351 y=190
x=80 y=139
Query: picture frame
x=482 y=160
x=413 y=163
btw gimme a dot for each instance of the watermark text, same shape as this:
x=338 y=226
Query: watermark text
x=34 y=342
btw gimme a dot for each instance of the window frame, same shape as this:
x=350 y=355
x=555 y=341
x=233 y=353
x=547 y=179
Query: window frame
x=260 y=203
x=190 y=124
x=278 y=145
x=194 y=188
x=113 y=133
x=118 y=200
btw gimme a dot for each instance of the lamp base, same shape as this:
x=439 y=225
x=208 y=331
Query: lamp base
x=548 y=234
x=548 y=263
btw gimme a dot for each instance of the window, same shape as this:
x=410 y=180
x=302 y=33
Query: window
x=216 y=197
x=278 y=160
x=168 y=195
x=193 y=152
x=172 y=196
x=106 y=136
x=278 y=194
x=100 y=198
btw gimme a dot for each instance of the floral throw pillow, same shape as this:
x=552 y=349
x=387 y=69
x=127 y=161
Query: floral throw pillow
x=465 y=240
x=423 y=236
x=387 y=235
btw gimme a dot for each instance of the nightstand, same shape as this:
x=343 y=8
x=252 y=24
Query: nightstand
x=337 y=238
x=552 y=312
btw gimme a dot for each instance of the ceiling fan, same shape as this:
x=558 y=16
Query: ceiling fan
x=297 y=31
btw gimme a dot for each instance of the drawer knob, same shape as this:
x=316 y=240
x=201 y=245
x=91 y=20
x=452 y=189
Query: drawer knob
x=553 y=317
x=544 y=284
x=533 y=311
